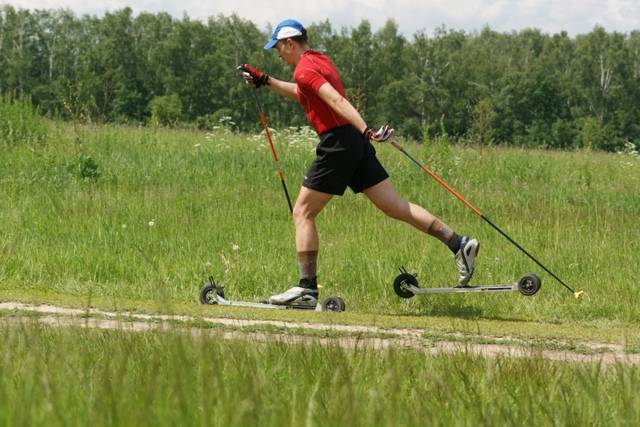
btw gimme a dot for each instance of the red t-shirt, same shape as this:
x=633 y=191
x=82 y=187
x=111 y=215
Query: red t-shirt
x=313 y=70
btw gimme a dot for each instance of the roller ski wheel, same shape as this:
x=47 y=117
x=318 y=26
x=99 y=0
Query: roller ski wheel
x=529 y=284
x=333 y=304
x=208 y=293
x=401 y=283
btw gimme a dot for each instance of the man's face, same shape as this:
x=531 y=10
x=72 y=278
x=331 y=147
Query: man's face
x=285 y=50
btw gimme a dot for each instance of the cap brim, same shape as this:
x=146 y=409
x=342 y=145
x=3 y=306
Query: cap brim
x=271 y=44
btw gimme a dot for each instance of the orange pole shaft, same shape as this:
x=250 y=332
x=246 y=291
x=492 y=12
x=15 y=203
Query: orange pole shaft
x=438 y=179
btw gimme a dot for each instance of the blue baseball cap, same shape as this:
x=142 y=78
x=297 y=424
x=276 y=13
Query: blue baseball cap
x=284 y=30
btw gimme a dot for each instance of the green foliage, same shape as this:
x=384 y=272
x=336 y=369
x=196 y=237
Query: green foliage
x=542 y=89
x=482 y=131
x=631 y=149
x=222 y=118
x=216 y=208
x=592 y=134
x=165 y=110
x=74 y=376
x=20 y=123
x=85 y=168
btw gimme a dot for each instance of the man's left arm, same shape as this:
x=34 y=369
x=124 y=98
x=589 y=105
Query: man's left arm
x=343 y=107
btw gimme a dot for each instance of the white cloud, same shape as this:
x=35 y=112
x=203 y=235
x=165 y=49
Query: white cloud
x=573 y=16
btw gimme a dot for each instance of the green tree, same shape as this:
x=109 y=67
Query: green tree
x=389 y=83
x=18 y=51
x=522 y=87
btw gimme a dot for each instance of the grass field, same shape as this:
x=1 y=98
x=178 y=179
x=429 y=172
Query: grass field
x=52 y=376
x=137 y=218
x=148 y=214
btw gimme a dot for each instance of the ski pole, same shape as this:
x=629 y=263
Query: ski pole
x=577 y=295
x=274 y=155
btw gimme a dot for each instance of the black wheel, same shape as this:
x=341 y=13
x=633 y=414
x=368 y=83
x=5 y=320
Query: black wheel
x=208 y=293
x=333 y=304
x=529 y=284
x=401 y=283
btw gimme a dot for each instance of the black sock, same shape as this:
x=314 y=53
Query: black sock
x=308 y=282
x=454 y=243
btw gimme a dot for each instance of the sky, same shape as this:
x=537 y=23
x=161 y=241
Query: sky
x=550 y=16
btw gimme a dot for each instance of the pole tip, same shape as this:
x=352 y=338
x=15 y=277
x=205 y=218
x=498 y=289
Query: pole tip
x=578 y=295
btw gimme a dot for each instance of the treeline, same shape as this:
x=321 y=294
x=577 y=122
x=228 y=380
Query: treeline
x=526 y=88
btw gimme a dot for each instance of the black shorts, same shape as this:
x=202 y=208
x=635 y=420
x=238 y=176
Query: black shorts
x=344 y=158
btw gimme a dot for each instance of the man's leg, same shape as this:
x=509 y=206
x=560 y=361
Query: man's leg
x=308 y=206
x=387 y=199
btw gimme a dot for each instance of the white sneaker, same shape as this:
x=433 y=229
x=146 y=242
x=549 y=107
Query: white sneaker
x=297 y=295
x=465 y=260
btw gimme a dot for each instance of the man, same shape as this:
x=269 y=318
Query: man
x=344 y=158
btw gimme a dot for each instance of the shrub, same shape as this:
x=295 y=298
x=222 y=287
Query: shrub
x=165 y=110
x=482 y=131
x=85 y=168
x=20 y=123
x=220 y=119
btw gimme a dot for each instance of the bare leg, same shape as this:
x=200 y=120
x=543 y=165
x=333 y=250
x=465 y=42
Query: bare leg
x=387 y=199
x=307 y=207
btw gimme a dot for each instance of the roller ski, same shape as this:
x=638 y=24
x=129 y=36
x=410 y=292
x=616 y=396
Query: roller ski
x=296 y=298
x=406 y=285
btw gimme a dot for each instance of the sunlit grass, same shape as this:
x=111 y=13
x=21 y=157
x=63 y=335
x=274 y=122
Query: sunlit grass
x=169 y=207
x=71 y=376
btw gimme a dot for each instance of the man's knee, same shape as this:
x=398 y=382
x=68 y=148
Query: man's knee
x=303 y=212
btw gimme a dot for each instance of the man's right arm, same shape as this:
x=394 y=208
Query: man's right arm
x=286 y=89
x=256 y=78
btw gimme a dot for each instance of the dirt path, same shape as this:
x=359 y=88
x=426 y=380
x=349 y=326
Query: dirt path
x=347 y=336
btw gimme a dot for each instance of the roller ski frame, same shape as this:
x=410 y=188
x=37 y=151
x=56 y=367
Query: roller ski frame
x=406 y=285
x=212 y=293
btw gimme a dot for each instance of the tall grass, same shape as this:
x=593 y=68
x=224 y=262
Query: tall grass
x=20 y=123
x=53 y=376
x=156 y=211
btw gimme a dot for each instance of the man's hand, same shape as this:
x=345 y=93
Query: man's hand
x=252 y=76
x=382 y=135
